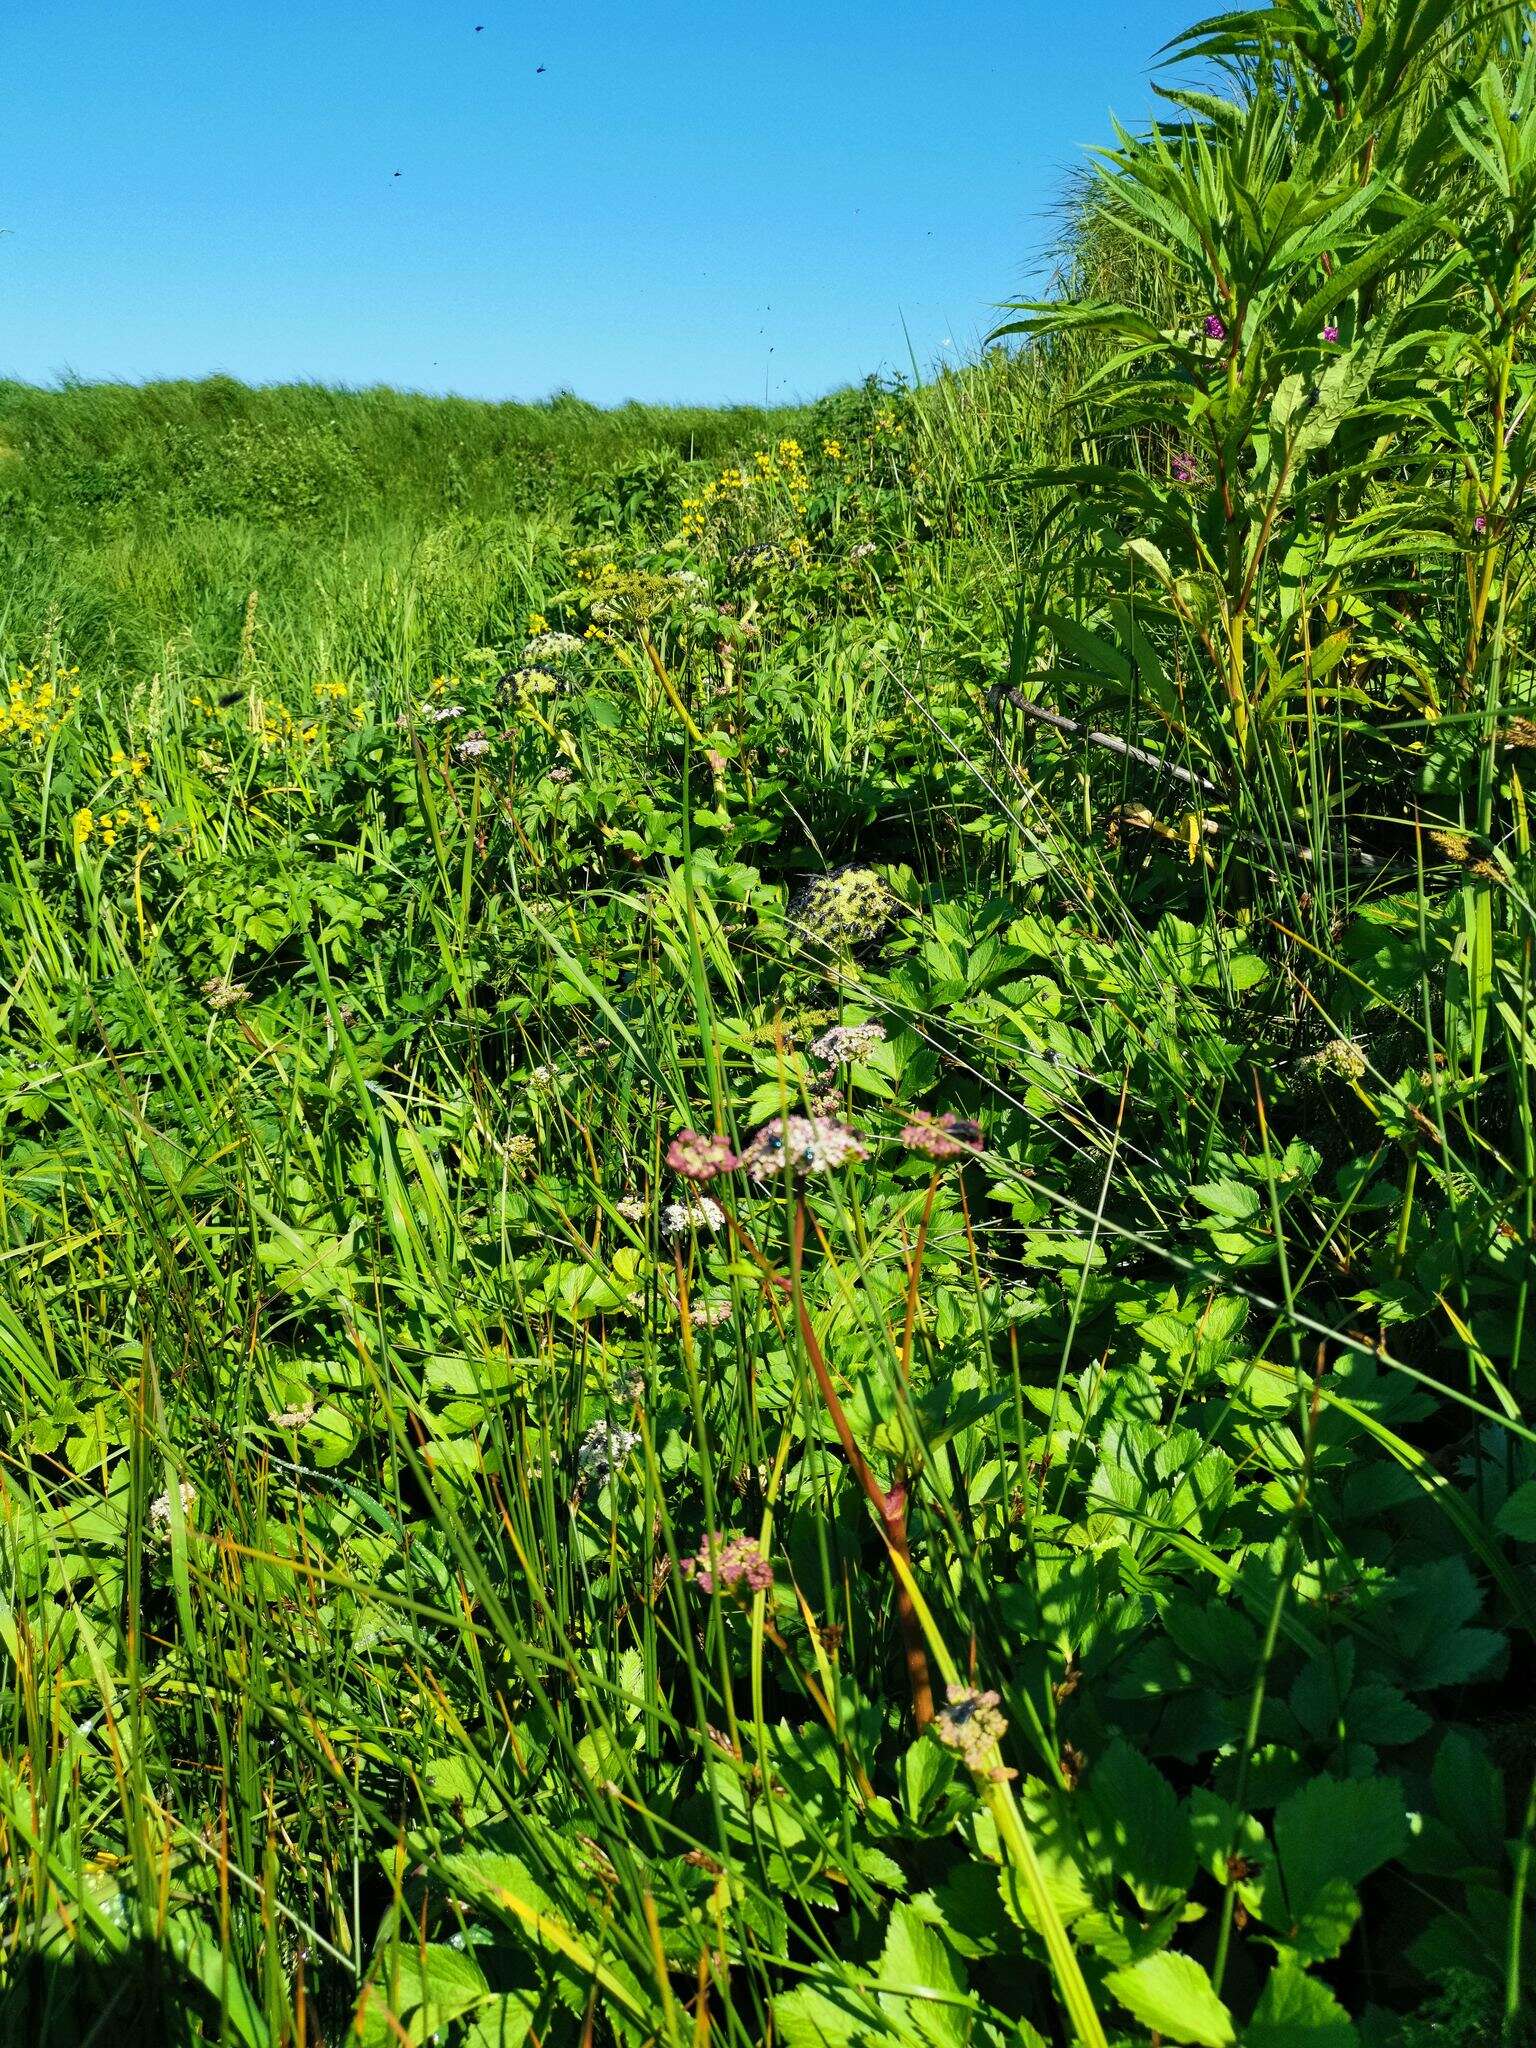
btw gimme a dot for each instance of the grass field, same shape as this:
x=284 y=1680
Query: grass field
x=766 y=1180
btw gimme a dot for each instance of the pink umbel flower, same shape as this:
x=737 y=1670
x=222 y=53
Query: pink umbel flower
x=943 y=1137
x=804 y=1144
x=1215 y=327
x=700 y=1158
x=730 y=1564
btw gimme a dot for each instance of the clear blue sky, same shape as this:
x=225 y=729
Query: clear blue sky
x=690 y=201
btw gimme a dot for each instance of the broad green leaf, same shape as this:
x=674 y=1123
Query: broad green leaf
x=1171 y=1995
x=1296 y=2011
x=1134 y=1820
x=926 y=1995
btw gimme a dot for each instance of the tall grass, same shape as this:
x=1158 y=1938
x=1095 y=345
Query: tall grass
x=1129 y=1479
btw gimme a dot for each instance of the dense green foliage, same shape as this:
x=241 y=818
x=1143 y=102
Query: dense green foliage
x=1043 y=1556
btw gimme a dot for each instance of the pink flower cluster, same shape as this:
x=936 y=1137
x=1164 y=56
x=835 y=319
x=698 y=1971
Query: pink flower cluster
x=943 y=1137
x=1215 y=327
x=700 y=1158
x=732 y=1564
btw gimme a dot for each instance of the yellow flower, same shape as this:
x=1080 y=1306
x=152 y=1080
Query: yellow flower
x=83 y=825
x=537 y=623
x=832 y=449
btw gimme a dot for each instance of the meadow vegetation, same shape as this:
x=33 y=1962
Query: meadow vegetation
x=766 y=1180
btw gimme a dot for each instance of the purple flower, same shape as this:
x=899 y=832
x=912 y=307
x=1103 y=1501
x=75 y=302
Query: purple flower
x=1183 y=467
x=1330 y=332
x=942 y=1137
x=734 y=1564
x=1480 y=524
x=696 y=1157
x=1215 y=327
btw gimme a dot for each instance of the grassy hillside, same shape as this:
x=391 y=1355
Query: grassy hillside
x=766 y=1183
x=146 y=515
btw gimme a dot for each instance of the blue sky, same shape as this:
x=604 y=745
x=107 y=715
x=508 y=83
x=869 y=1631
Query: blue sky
x=693 y=202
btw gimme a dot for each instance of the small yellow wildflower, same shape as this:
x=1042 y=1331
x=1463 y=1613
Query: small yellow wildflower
x=82 y=824
x=537 y=623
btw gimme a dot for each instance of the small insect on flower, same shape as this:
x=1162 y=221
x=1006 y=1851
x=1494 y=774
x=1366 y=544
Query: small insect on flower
x=732 y=1564
x=844 y=1045
x=847 y=908
x=701 y=1158
x=943 y=1137
x=972 y=1725
x=604 y=1448
x=678 y=1219
x=1215 y=327
x=802 y=1144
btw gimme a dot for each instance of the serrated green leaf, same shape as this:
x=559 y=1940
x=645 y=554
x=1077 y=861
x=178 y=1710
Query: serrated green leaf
x=1133 y=1818
x=1171 y=1995
x=1296 y=2011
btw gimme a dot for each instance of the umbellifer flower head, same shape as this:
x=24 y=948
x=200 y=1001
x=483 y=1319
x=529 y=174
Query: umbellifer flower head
x=1340 y=1058
x=846 y=1044
x=730 y=1564
x=604 y=1448
x=552 y=647
x=678 y=1218
x=847 y=908
x=972 y=1726
x=804 y=1144
x=942 y=1137
x=700 y=1158
x=222 y=992
x=160 y=1508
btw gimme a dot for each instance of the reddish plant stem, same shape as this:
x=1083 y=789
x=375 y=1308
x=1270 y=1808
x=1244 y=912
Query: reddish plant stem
x=891 y=1508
